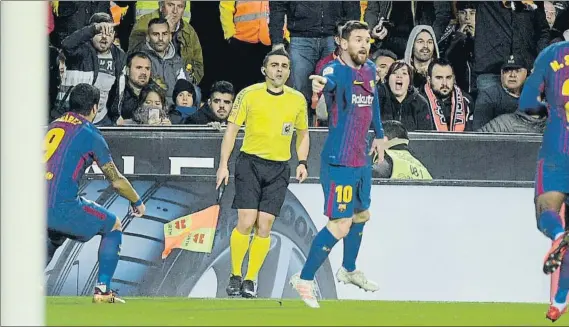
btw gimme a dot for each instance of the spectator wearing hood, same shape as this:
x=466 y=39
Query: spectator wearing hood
x=187 y=98
x=217 y=108
x=400 y=17
x=400 y=101
x=167 y=65
x=496 y=100
x=421 y=49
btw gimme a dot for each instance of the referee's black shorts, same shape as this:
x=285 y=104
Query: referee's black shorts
x=260 y=184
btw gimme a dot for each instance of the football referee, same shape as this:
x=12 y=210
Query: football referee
x=271 y=113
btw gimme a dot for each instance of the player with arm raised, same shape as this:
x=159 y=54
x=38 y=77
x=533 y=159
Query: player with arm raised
x=72 y=144
x=348 y=84
x=551 y=76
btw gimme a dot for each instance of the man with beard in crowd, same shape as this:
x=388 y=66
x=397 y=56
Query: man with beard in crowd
x=215 y=112
x=421 y=49
x=92 y=58
x=167 y=65
x=450 y=107
x=138 y=73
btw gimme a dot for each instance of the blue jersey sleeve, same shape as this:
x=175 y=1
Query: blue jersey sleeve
x=530 y=101
x=101 y=151
x=332 y=77
x=376 y=118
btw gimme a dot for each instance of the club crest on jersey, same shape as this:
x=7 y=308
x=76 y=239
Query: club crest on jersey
x=342 y=207
x=362 y=100
x=287 y=129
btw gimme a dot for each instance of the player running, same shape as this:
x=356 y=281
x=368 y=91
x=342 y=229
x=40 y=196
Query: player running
x=72 y=144
x=348 y=83
x=551 y=76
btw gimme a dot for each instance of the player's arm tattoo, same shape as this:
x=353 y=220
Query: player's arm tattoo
x=119 y=182
x=111 y=172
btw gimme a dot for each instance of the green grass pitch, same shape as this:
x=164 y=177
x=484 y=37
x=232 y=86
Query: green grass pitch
x=79 y=311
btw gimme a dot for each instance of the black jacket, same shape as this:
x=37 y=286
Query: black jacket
x=413 y=112
x=501 y=32
x=516 y=122
x=203 y=116
x=74 y=15
x=458 y=49
x=83 y=64
x=309 y=19
x=491 y=103
x=404 y=16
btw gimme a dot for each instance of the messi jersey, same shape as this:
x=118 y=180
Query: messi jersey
x=551 y=75
x=72 y=144
x=353 y=107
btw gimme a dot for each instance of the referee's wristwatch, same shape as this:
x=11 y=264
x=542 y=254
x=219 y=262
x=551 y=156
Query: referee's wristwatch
x=303 y=162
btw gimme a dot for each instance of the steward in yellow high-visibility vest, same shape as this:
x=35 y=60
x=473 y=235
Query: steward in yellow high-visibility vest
x=398 y=162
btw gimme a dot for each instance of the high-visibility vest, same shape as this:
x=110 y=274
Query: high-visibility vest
x=117 y=12
x=250 y=20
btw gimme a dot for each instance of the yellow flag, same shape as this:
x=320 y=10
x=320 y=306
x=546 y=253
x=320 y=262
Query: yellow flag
x=194 y=232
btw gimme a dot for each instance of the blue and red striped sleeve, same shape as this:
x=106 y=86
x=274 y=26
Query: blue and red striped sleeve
x=535 y=84
x=101 y=150
x=376 y=116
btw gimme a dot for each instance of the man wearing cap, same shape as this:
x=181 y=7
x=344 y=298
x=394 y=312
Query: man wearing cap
x=501 y=99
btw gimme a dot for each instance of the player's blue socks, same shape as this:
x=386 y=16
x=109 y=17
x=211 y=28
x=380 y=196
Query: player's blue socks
x=109 y=257
x=352 y=243
x=563 y=285
x=549 y=223
x=319 y=251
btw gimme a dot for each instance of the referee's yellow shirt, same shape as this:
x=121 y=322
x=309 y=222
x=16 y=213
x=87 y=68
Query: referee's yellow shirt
x=270 y=120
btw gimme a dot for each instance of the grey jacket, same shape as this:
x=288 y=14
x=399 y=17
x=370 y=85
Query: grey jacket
x=166 y=71
x=515 y=122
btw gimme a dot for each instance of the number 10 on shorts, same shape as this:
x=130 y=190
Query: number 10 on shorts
x=344 y=193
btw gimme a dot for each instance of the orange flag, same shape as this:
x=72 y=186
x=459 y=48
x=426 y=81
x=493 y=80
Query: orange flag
x=194 y=232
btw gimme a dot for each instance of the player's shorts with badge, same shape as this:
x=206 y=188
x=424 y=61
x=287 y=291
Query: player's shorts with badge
x=80 y=220
x=552 y=175
x=347 y=190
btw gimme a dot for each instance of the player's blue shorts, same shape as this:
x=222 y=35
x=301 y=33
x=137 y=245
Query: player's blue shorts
x=347 y=190
x=80 y=220
x=552 y=175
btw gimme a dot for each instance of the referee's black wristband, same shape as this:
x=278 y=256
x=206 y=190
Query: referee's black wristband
x=137 y=203
x=303 y=162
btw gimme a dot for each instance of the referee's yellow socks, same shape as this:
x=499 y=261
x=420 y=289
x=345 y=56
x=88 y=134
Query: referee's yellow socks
x=239 y=244
x=259 y=249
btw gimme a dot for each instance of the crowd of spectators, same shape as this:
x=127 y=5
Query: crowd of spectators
x=441 y=65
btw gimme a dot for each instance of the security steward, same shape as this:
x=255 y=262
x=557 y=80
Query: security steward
x=271 y=113
x=398 y=162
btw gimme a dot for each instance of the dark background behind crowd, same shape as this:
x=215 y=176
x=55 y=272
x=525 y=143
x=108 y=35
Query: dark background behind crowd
x=441 y=65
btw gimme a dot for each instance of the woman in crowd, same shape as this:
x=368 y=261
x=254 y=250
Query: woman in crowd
x=151 y=109
x=400 y=101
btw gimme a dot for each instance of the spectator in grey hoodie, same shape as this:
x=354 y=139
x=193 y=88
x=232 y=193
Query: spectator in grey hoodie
x=421 y=49
x=167 y=66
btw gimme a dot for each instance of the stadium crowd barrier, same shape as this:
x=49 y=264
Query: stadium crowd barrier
x=467 y=235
